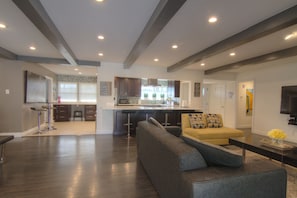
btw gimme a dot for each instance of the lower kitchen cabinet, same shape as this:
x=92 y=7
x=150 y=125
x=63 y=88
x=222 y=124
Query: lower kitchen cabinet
x=62 y=113
x=90 y=112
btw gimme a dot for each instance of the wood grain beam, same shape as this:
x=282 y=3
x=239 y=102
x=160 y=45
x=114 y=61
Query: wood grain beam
x=164 y=11
x=275 y=23
x=286 y=53
x=34 y=10
x=47 y=60
x=4 y=53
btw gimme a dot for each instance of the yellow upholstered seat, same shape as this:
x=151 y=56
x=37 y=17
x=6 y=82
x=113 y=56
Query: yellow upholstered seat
x=219 y=136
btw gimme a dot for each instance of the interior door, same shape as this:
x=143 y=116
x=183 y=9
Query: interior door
x=217 y=98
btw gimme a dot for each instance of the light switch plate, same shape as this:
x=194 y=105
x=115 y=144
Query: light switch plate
x=7 y=91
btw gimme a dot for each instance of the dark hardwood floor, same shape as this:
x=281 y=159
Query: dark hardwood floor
x=73 y=166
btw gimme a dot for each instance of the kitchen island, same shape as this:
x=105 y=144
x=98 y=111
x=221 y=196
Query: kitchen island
x=166 y=115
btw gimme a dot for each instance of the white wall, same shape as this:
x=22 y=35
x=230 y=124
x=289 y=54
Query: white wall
x=268 y=81
x=107 y=72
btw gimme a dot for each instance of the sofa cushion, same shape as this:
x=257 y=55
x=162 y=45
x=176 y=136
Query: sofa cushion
x=214 y=120
x=215 y=155
x=197 y=120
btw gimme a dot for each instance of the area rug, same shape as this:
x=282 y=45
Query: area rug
x=291 y=171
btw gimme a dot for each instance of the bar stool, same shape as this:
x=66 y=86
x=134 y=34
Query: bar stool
x=129 y=122
x=78 y=114
x=39 y=111
x=166 y=114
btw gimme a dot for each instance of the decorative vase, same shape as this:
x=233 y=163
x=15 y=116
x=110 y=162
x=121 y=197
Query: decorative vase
x=277 y=141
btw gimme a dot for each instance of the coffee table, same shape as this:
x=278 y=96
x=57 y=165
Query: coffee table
x=254 y=143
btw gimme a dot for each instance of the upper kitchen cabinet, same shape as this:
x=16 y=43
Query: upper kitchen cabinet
x=128 y=87
x=174 y=88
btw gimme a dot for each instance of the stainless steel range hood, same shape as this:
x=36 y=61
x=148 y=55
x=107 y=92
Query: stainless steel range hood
x=152 y=82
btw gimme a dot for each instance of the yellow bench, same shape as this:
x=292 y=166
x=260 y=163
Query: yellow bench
x=218 y=136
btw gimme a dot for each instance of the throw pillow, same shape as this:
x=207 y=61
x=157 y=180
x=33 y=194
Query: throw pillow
x=215 y=155
x=156 y=123
x=214 y=121
x=197 y=120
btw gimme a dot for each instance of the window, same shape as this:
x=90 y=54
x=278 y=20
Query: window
x=67 y=91
x=87 y=92
x=154 y=93
x=77 y=91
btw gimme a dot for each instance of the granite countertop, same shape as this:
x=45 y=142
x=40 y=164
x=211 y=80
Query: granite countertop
x=148 y=107
x=74 y=103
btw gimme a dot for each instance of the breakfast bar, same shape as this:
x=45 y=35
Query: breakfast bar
x=126 y=117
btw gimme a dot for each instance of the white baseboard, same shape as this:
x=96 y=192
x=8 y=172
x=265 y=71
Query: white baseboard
x=104 y=132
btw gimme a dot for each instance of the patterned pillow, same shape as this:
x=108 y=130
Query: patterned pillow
x=214 y=121
x=197 y=120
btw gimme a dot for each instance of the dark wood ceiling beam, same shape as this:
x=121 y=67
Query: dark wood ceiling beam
x=46 y=60
x=275 y=23
x=4 y=53
x=164 y=11
x=34 y=10
x=286 y=53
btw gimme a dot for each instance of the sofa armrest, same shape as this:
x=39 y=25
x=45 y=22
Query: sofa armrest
x=260 y=178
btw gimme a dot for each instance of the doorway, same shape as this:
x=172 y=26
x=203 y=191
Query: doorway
x=245 y=101
x=219 y=97
x=71 y=127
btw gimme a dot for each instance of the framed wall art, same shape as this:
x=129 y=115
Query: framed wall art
x=196 y=89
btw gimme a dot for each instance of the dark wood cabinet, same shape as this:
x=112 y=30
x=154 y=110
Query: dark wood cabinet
x=121 y=118
x=90 y=112
x=62 y=113
x=174 y=88
x=134 y=87
x=118 y=127
x=128 y=87
x=171 y=117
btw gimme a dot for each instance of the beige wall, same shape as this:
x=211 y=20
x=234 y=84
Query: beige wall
x=16 y=116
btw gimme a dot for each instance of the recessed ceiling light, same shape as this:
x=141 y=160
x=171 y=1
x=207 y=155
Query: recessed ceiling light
x=212 y=19
x=2 y=26
x=100 y=54
x=75 y=69
x=79 y=73
x=290 y=36
x=156 y=59
x=101 y=37
x=99 y=0
x=232 y=54
x=174 y=46
x=32 y=48
x=202 y=64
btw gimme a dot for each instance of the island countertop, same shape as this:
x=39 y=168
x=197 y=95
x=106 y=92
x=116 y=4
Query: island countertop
x=148 y=107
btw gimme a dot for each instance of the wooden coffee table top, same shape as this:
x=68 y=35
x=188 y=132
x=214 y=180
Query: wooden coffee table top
x=255 y=144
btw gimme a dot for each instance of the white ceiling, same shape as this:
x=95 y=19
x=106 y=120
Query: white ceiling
x=122 y=21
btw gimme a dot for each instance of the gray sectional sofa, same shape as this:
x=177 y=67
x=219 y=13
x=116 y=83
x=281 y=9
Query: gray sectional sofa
x=178 y=169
